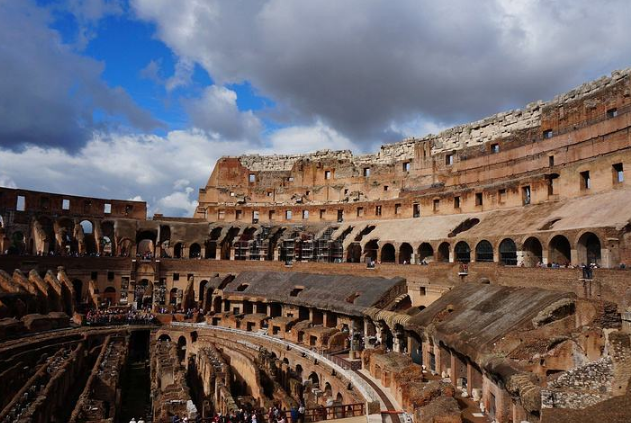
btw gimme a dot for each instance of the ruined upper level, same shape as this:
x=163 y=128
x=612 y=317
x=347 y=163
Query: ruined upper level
x=541 y=142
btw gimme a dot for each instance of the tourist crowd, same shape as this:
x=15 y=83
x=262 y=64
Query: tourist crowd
x=118 y=317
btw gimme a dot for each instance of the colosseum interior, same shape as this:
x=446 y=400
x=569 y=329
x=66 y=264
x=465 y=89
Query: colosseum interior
x=476 y=275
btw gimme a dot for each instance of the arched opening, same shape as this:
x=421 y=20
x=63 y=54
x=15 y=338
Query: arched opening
x=405 y=253
x=484 y=251
x=371 y=249
x=328 y=391
x=109 y=295
x=217 y=304
x=181 y=348
x=173 y=296
x=532 y=252
x=68 y=244
x=339 y=398
x=194 y=251
x=299 y=372
x=559 y=251
x=508 y=252
x=124 y=248
x=462 y=252
x=89 y=241
x=18 y=245
x=388 y=253
x=145 y=242
x=211 y=244
x=589 y=248
x=443 y=252
x=106 y=246
x=77 y=285
x=202 y=291
x=44 y=236
x=178 y=250
x=354 y=253
x=165 y=239
x=164 y=338
x=314 y=379
x=426 y=252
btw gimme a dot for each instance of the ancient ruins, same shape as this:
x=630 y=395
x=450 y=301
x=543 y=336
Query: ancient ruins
x=477 y=275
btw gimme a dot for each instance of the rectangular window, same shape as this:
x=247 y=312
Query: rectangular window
x=377 y=210
x=176 y=276
x=238 y=214
x=65 y=204
x=406 y=166
x=288 y=215
x=255 y=216
x=327 y=174
x=478 y=199
x=21 y=203
x=456 y=202
x=307 y=193
x=422 y=291
x=128 y=209
x=270 y=215
x=252 y=178
x=586 y=182
x=290 y=179
x=340 y=215
x=360 y=211
x=44 y=202
x=386 y=187
x=449 y=159
x=305 y=214
x=525 y=195
x=501 y=195
x=107 y=208
x=618 y=173
x=416 y=210
x=397 y=209
x=269 y=193
x=547 y=134
x=322 y=214
x=495 y=148
x=366 y=172
x=94 y=275
x=110 y=276
x=436 y=204
x=551 y=161
x=612 y=113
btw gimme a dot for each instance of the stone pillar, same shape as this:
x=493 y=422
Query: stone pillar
x=217 y=252
x=231 y=253
x=452 y=255
x=574 y=257
x=520 y=258
x=454 y=370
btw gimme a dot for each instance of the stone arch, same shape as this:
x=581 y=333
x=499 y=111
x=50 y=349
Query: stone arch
x=18 y=244
x=178 y=250
x=443 y=252
x=354 y=253
x=46 y=232
x=508 y=252
x=462 y=252
x=559 y=250
x=588 y=248
x=388 y=253
x=89 y=240
x=194 y=251
x=314 y=379
x=173 y=296
x=484 y=251
x=202 y=291
x=181 y=348
x=328 y=391
x=164 y=337
x=124 y=247
x=217 y=304
x=77 y=285
x=371 y=249
x=145 y=241
x=426 y=252
x=109 y=295
x=532 y=251
x=299 y=371
x=405 y=253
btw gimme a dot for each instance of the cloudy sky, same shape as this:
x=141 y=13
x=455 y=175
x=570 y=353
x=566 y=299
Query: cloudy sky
x=138 y=98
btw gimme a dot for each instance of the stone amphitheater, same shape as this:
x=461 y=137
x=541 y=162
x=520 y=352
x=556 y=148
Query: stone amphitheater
x=477 y=275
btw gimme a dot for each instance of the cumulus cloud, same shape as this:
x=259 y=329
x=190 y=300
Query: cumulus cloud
x=216 y=111
x=49 y=93
x=360 y=66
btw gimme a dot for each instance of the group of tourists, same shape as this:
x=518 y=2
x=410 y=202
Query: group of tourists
x=118 y=317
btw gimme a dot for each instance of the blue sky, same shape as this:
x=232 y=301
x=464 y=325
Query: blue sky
x=139 y=98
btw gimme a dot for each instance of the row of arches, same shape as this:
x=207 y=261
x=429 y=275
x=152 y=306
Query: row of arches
x=559 y=250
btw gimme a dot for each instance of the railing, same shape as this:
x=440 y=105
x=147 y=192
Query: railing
x=331 y=412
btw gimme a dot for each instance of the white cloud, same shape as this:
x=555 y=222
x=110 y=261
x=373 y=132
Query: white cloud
x=366 y=67
x=7 y=182
x=182 y=76
x=302 y=139
x=216 y=111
